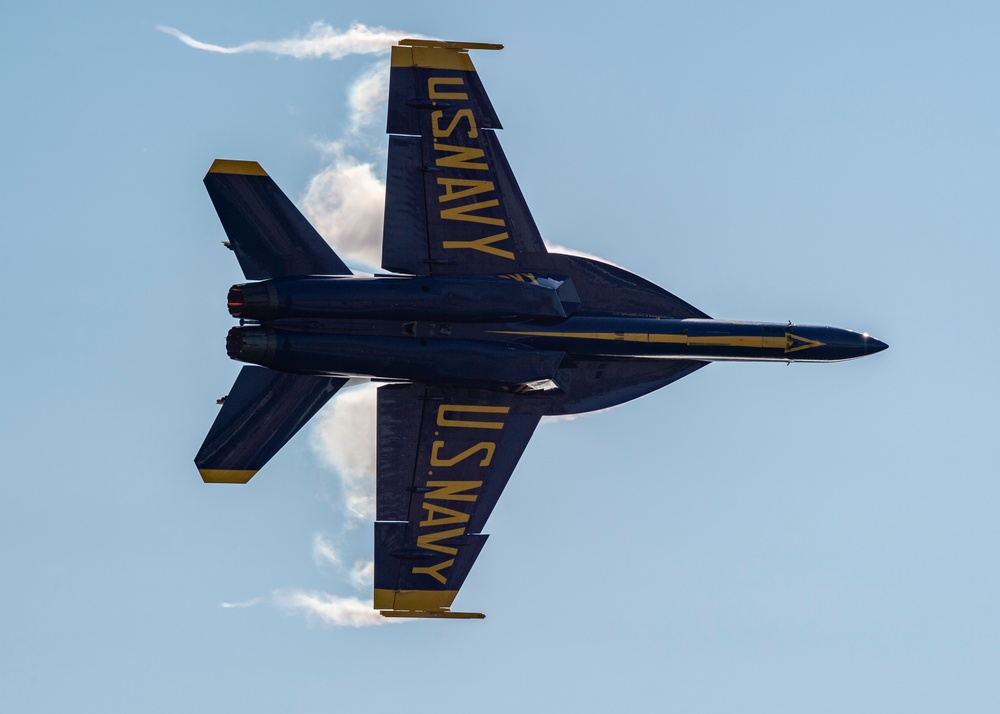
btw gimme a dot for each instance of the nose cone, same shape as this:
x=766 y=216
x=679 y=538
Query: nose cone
x=810 y=343
x=872 y=345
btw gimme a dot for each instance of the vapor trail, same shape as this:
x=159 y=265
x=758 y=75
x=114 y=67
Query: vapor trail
x=320 y=41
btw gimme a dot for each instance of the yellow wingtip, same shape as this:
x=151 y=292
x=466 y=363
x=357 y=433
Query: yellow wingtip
x=225 y=475
x=243 y=168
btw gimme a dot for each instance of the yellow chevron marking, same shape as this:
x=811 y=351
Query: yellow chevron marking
x=794 y=343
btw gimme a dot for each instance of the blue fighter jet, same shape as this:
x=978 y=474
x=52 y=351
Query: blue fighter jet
x=478 y=332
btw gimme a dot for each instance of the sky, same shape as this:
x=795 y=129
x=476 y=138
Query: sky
x=753 y=538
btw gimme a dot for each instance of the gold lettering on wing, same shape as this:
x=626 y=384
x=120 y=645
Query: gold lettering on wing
x=434 y=93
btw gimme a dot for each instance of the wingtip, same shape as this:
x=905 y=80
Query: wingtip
x=225 y=475
x=231 y=166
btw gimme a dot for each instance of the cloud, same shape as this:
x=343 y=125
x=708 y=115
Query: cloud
x=361 y=575
x=368 y=95
x=344 y=202
x=245 y=603
x=320 y=41
x=344 y=438
x=324 y=552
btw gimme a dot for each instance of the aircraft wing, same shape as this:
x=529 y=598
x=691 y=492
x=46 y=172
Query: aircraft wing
x=444 y=457
x=452 y=204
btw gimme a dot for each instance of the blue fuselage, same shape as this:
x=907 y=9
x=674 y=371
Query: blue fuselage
x=486 y=330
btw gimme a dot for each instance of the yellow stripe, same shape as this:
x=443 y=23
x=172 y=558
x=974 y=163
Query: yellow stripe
x=243 y=168
x=413 y=599
x=225 y=475
x=617 y=336
x=727 y=341
x=747 y=341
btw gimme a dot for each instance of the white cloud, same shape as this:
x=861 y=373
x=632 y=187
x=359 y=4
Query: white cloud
x=368 y=96
x=344 y=437
x=362 y=574
x=345 y=202
x=320 y=41
x=324 y=552
x=245 y=603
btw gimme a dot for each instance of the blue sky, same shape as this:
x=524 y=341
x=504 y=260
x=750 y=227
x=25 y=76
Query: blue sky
x=754 y=538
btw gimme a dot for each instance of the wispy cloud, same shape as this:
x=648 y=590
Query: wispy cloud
x=327 y=609
x=325 y=552
x=360 y=575
x=321 y=40
x=245 y=603
x=344 y=202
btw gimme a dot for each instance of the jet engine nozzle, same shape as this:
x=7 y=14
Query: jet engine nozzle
x=253 y=301
x=251 y=344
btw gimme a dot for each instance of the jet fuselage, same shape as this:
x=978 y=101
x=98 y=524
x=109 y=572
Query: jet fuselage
x=501 y=331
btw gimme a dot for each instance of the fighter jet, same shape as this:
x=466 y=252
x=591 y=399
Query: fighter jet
x=476 y=332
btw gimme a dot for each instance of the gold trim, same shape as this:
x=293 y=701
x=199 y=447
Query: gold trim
x=225 y=475
x=230 y=166
x=431 y=58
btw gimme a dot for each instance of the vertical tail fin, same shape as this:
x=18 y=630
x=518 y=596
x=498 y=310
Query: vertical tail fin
x=269 y=235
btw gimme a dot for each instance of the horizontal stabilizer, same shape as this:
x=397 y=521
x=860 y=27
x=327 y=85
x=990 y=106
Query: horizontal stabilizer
x=269 y=235
x=262 y=412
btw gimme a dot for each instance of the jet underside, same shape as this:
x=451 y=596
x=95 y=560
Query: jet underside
x=477 y=332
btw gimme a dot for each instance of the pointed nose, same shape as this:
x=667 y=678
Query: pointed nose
x=872 y=345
